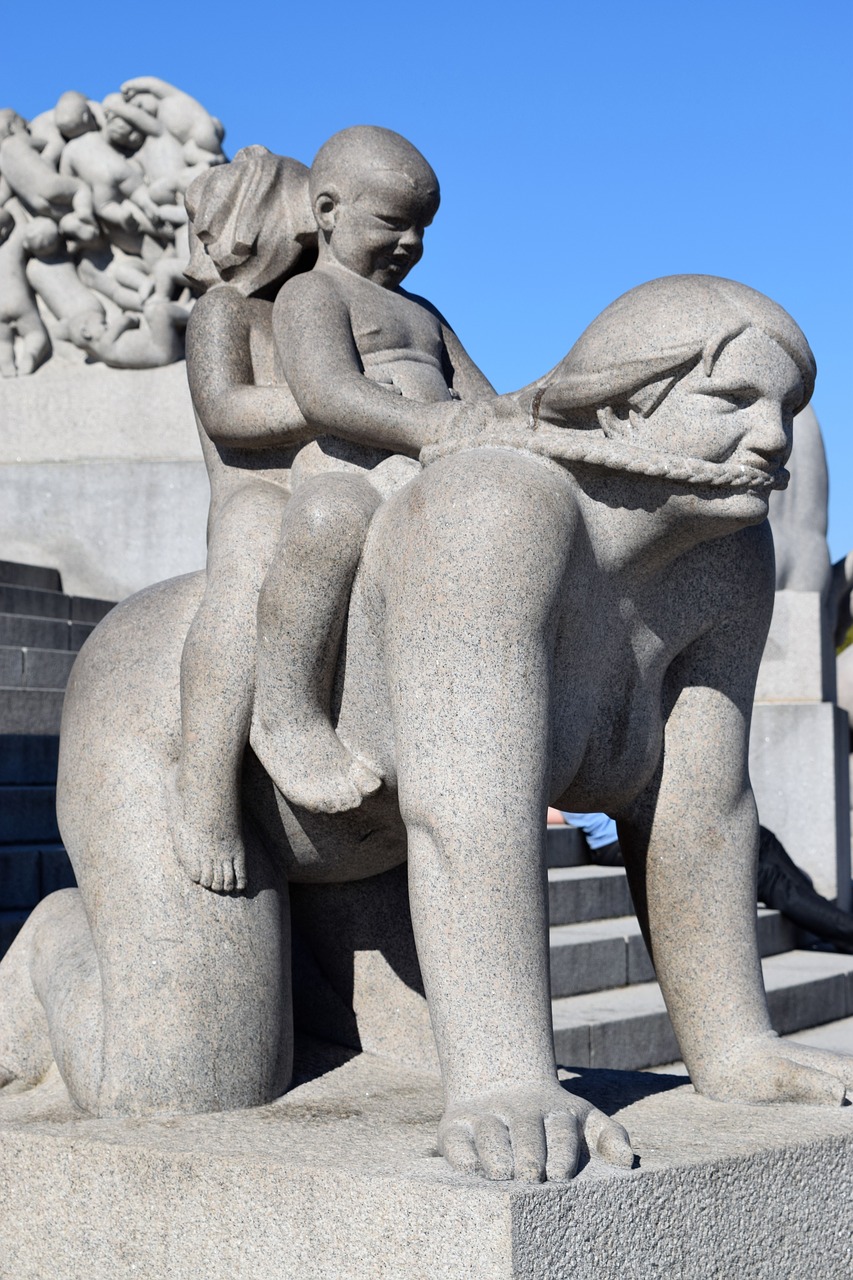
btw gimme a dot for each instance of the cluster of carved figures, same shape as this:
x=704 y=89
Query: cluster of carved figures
x=93 y=228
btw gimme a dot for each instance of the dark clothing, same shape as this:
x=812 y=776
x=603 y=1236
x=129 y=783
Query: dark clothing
x=785 y=887
x=782 y=885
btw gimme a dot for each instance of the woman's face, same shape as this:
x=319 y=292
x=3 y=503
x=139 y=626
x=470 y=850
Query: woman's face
x=742 y=412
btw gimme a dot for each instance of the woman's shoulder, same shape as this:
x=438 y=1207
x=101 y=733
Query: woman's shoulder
x=733 y=576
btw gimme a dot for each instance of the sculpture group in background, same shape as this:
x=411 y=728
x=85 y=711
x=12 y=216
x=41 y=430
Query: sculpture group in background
x=93 y=226
x=562 y=596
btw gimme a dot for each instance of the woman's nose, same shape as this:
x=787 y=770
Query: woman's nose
x=770 y=433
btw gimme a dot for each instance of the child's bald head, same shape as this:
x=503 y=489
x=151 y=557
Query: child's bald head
x=356 y=156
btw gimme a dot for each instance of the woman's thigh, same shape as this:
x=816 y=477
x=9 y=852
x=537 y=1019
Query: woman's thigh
x=195 y=984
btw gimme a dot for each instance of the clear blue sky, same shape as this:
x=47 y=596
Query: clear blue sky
x=582 y=147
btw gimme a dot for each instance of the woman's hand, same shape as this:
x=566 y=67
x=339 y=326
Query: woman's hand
x=764 y=1068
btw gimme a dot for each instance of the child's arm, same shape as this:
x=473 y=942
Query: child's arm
x=317 y=350
x=464 y=378
x=235 y=411
x=467 y=381
x=141 y=120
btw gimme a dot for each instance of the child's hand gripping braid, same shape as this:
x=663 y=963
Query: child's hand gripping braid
x=374 y=370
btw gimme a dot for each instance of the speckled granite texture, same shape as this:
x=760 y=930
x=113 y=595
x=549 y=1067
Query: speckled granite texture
x=341 y=1179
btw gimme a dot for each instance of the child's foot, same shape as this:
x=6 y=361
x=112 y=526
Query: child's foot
x=209 y=846
x=767 y=1069
x=312 y=768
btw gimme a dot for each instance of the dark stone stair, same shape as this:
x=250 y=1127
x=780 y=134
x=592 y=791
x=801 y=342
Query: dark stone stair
x=41 y=630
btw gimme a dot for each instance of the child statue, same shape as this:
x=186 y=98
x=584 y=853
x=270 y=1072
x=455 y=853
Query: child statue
x=373 y=371
x=363 y=358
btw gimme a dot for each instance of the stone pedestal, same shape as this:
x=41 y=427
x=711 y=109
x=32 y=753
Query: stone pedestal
x=101 y=476
x=340 y=1179
x=798 y=751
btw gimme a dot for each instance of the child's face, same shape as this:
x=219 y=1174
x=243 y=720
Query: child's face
x=379 y=232
x=122 y=134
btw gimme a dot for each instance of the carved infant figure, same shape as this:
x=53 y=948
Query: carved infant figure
x=352 y=344
x=365 y=362
x=19 y=313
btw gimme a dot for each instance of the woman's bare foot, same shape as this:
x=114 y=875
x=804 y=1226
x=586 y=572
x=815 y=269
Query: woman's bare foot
x=767 y=1069
x=311 y=766
x=531 y=1133
x=208 y=843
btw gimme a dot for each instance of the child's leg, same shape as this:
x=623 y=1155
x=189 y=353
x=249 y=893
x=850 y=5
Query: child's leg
x=35 y=344
x=301 y=612
x=217 y=684
x=7 y=352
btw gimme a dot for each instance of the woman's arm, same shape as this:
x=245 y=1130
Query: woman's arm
x=233 y=410
x=690 y=843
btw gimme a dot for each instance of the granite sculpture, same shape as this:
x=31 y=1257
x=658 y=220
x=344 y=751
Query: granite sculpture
x=93 y=218
x=799 y=745
x=563 y=598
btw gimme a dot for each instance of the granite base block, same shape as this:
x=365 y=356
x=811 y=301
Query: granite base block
x=101 y=476
x=340 y=1179
x=798 y=663
x=798 y=763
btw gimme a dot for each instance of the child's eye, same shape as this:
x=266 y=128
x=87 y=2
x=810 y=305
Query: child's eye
x=395 y=224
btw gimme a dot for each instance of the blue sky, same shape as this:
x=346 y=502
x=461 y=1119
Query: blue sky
x=581 y=148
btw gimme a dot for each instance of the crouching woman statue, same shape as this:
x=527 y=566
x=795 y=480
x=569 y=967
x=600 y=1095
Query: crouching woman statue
x=567 y=605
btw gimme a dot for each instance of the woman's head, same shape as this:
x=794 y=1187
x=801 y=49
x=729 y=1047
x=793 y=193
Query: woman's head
x=656 y=333
x=250 y=222
x=691 y=368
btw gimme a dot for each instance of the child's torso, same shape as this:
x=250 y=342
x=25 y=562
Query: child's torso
x=398 y=339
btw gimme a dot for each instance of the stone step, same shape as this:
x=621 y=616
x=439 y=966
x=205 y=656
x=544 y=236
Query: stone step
x=27 y=668
x=36 y=603
x=29 y=575
x=628 y=1028
x=565 y=847
x=576 y=894
x=43 y=633
x=28 y=757
x=27 y=813
x=10 y=923
x=24 y=711
x=599 y=954
x=29 y=872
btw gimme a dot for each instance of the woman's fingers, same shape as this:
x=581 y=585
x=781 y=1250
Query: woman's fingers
x=564 y=1142
x=507 y=1139
x=456 y=1144
x=493 y=1148
x=608 y=1139
x=529 y=1147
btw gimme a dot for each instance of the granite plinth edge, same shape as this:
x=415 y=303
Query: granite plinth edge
x=340 y=1177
